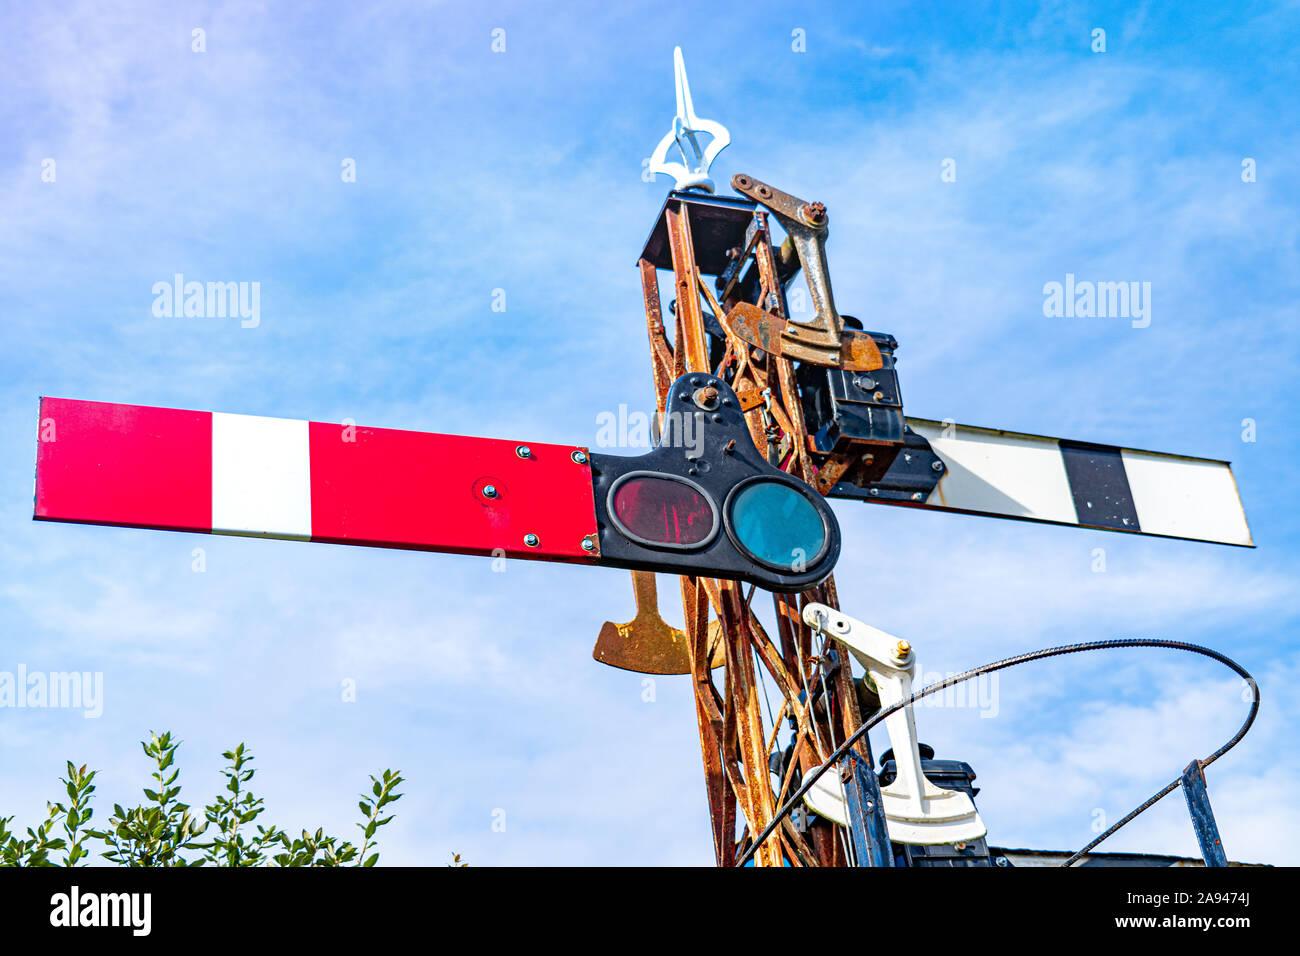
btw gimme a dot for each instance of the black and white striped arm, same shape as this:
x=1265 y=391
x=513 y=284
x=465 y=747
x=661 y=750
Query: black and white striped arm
x=1009 y=475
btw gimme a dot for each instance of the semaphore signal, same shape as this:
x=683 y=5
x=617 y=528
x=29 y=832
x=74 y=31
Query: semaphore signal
x=760 y=418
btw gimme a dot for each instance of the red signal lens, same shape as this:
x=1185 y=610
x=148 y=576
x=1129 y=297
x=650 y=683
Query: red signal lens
x=663 y=511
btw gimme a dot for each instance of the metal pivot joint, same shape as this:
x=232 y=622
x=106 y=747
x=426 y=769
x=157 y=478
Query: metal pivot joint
x=917 y=811
x=824 y=340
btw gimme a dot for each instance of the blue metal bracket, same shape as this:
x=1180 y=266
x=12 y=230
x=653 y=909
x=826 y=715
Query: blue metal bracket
x=1198 y=805
x=866 y=812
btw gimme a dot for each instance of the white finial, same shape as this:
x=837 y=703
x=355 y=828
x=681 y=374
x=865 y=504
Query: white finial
x=694 y=174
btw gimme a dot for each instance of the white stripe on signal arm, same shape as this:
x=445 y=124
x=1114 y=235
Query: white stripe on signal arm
x=1000 y=473
x=1186 y=497
x=261 y=476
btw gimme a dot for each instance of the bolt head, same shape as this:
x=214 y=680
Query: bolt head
x=588 y=544
x=936 y=466
x=523 y=451
x=532 y=540
x=489 y=491
x=706 y=397
x=579 y=457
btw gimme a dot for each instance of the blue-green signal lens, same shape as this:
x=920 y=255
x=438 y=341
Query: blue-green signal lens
x=775 y=524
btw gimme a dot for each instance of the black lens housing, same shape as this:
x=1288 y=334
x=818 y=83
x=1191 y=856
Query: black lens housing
x=712 y=451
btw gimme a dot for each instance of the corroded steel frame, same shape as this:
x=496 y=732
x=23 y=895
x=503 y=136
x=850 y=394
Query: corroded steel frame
x=734 y=741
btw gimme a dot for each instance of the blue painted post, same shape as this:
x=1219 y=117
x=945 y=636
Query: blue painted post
x=1198 y=805
x=866 y=812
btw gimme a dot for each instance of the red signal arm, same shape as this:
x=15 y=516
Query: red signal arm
x=138 y=466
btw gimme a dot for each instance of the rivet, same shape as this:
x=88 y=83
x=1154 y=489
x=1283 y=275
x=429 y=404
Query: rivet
x=579 y=457
x=588 y=544
x=532 y=540
x=523 y=451
x=936 y=466
x=489 y=491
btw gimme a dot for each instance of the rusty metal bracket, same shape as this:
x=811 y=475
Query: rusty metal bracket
x=824 y=340
x=648 y=643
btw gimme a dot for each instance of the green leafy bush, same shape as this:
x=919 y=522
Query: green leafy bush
x=163 y=831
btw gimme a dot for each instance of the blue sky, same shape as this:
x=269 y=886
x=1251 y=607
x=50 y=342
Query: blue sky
x=521 y=171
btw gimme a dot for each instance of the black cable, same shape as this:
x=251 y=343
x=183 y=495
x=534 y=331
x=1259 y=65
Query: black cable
x=1012 y=662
